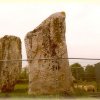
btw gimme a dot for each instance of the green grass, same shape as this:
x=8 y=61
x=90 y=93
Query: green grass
x=21 y=90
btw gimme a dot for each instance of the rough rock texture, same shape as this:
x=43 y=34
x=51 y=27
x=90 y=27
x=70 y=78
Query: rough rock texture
x=46 y=45
x=10 y=49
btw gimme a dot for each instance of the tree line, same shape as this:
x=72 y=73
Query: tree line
x=86 y=73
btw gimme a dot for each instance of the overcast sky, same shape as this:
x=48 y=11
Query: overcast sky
x=82 y=24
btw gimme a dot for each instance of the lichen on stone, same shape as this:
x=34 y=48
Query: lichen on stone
x=10 y=50
x=52 y=74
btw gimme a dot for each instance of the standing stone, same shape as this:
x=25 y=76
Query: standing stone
x=10 y=49
x=49 y=73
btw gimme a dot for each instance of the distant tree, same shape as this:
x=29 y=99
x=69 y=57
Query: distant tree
x=97 y=73
x=77 y=71
x=24 y=73
x=90 y=73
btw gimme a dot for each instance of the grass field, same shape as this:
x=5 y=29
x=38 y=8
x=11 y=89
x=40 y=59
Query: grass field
x=21 y=90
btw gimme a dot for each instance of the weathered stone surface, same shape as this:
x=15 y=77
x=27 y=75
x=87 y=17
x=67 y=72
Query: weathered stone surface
x=10 y=49
x=52 y=74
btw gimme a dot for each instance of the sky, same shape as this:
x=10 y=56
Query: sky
x=82 y=24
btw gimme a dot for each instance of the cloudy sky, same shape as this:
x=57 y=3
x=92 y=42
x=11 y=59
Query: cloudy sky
x=82 y=24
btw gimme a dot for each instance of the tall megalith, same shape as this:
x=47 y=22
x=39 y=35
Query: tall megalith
x=10 y=67
x=49 y=71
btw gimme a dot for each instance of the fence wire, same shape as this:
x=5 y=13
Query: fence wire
x=51 y=59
